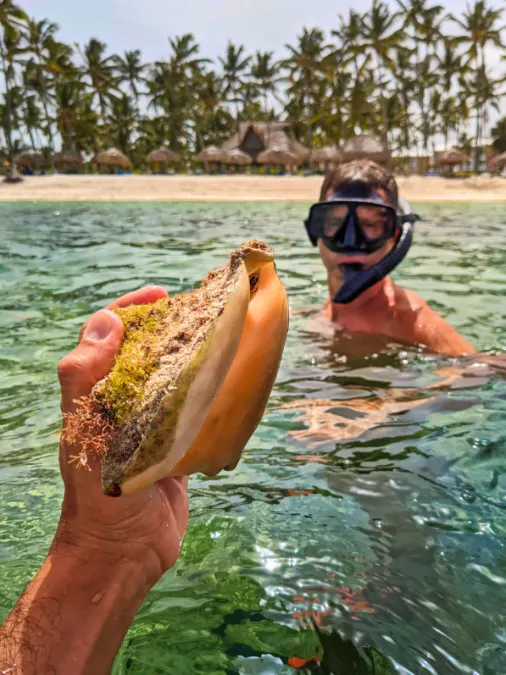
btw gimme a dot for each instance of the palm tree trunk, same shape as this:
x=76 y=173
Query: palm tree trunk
x=46 y=111
x=13 y=176
x=30 y=133
x=476 y=157
x=309 y=130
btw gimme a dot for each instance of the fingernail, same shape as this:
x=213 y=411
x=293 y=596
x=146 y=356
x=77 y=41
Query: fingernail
x=98 y=327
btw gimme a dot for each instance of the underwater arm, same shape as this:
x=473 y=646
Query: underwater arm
x=107 y=553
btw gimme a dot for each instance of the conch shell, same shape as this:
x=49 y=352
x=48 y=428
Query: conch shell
x=193 y=376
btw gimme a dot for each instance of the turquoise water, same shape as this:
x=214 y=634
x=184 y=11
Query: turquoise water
x=375 y=544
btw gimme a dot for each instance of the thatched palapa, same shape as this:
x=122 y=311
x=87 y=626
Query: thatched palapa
x=325 y=154
x=266 y=143
x=162 y=156
x=68 y=157
x=211 y=154
x=237 y=157
x=31 y=158
x=113 y=157
x=366 y=147
x=278 y=156
x=498 y=162
x=450 y=158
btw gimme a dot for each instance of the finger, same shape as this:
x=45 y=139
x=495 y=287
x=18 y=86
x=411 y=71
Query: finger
x=92 y=359
x=142 y=296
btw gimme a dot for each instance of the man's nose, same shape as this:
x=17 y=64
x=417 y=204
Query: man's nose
x=350 y=238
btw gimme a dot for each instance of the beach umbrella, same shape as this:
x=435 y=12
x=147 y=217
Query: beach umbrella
x=237 y=157
x=326 y=154
x=498 y=162
x=211 y=154
x=365 y=147
x=68 y=157
x=113 y=157
x=31 y=158
x=273 y=156
x=450 y=158
x=162 y=156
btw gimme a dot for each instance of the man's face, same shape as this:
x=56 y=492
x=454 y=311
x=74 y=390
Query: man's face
x=333 y=260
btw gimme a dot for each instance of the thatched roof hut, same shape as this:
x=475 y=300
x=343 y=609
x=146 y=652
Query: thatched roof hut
x=325 y=154
x=237 y=157
x=211 y=154
x=275 y=156
x=113 y=157
x=31 y=158
x=162 y=156
x=450 y=158
x=68 y=157
x=366 y=147
x=267 y=143
x=498 y=162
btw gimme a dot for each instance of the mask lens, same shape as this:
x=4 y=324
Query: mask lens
x=334 y=219
x=376 y=222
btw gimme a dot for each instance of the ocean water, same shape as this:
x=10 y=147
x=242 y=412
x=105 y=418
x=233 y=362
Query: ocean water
x=365 y=529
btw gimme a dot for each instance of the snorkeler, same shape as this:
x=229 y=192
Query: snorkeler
x=362 y=235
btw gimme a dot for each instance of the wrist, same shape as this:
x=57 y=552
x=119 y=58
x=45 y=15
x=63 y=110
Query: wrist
x=139 y=561
x=81 y=597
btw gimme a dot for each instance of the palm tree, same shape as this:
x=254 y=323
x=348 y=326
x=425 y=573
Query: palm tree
x=422 y=25
x=381 y=38
x=235 y=66
x=130 y=70
x=32 y=118
x=39 y=36
x=121 y=123
x=213 y=122
x=100 y=71
x=305 y=71
x=12 y=20
x=264 y=72
x=480 y=28
x=450 y=68
x=189 y=67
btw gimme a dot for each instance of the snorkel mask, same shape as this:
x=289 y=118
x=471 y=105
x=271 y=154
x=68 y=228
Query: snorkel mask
x=360 y=226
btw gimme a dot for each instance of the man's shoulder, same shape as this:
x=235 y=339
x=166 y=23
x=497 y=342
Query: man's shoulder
x=408 y=301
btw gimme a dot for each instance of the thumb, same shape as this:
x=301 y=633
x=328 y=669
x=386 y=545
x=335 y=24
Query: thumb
x=92 y=359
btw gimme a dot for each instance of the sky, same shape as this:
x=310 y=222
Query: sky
x=146 y=24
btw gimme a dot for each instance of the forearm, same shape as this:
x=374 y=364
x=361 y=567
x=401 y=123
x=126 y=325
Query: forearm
x=74 y=615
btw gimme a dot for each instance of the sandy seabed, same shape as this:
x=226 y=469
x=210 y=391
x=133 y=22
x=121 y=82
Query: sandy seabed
x=241 y=188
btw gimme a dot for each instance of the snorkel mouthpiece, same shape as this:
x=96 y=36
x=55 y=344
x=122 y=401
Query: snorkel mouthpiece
x=357 y=280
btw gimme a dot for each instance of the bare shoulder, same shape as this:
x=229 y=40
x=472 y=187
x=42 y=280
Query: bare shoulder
x=408 y=302
x=428 y=327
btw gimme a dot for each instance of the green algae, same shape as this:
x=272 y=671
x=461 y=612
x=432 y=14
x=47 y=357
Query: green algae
x=137 y=359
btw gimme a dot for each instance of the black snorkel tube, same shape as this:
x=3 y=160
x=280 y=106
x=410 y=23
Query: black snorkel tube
x=357 y=280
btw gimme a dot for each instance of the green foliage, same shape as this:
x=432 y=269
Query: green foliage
x=408 y=73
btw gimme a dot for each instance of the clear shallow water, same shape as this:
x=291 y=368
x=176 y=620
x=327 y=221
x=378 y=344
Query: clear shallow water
x=377 y=549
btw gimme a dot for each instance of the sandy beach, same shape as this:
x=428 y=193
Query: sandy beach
x=179 y=188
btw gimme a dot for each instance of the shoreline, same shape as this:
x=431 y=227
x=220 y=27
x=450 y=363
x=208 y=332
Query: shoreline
x=238 y=188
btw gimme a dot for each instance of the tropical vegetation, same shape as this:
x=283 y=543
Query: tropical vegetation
x=410 y=72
